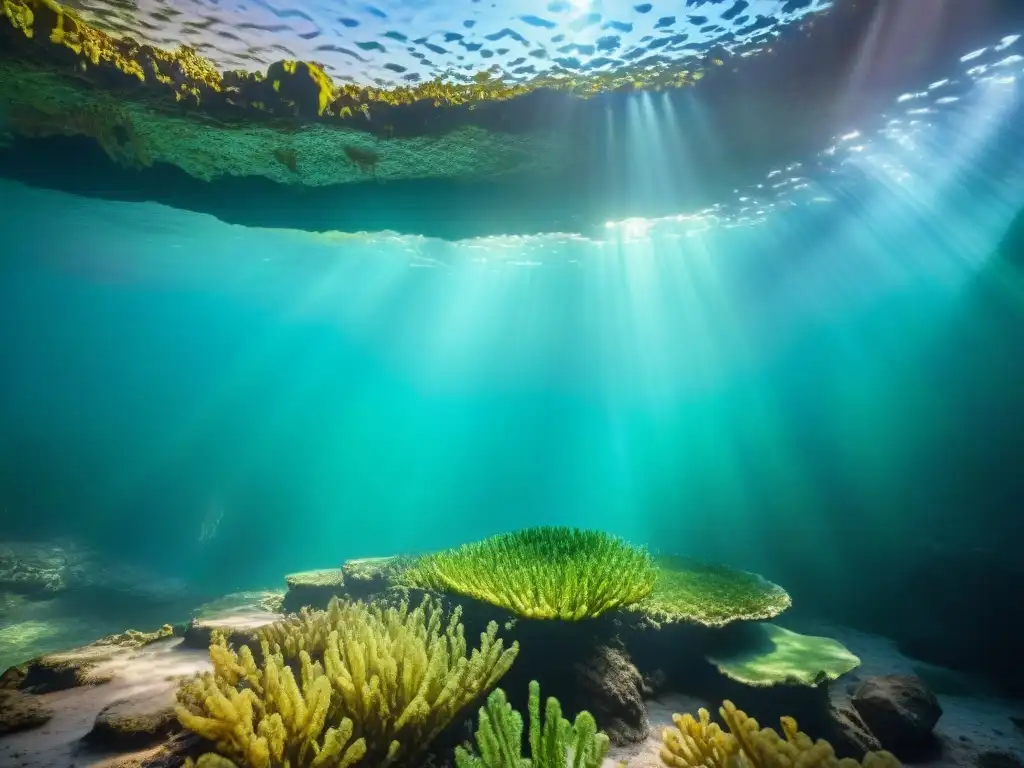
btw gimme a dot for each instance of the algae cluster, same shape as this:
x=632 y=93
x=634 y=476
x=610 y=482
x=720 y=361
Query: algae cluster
x=373 y=684
x=356 y=684
x=780 y=656
x=552 y=739
x=290 y=87
x=700 y=743
x=711 y=595
x=542 y=573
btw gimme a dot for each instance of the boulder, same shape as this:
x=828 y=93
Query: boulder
x=847 y=732
x=135 y=722
x=613 y=688
x=902 y=712
x=313 y=589
x=21 y=712
x=238 y=625
x=371 y=577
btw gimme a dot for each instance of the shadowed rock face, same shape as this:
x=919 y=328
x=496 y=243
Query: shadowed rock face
x=609 y=680
x=901 y=712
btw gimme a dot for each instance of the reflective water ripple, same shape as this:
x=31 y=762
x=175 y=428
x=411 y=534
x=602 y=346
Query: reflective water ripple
x=403 y=42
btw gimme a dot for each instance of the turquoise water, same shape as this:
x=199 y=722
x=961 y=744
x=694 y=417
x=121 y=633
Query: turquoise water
x=817 y=375
x=234 y=403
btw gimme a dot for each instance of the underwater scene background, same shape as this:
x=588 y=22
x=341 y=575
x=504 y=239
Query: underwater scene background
x=803 y=362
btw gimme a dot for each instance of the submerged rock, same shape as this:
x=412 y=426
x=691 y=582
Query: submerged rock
x=81 y=666
x=361 y=579
x=21 y=712
x=40 y=569
x=847 y=732
x=614 y=688
x=238 y=625
x=902 y=712
x=313 y=589
x=135 y=722
x=268 y=601
x=370 y=577
x=126 y=722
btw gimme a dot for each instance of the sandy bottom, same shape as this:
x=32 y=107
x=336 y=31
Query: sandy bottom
x=150 y=672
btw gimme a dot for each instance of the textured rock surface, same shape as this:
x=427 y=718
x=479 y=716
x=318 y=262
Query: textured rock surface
x=848 y=732
x=21 y=711
x=901 y=711
x=614 y=688
x=136 y=721
x=313 y=589
x=48 y=568
x=371 y=576
x=60 y=671
x=88 y=665
x=147 y=676
x=40 y=103
x=239 y=627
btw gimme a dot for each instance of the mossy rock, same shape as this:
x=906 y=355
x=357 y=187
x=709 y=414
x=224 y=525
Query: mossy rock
x=370 y=577
x=766 y=655
x=313 y=589
x=21 y=712
x=268 y=601
x=325 y=577
x=135 y=723
x=79 y=666
x=237 y=625
x=687 y=590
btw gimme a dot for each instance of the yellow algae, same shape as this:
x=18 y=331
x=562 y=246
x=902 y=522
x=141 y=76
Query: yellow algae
x=20 y=15
x=190 y=76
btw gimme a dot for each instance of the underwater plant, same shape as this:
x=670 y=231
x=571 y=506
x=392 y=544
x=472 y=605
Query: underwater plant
x=712 y=595
x=542 y=573
x=553 y=743
x=699 y=743
x=357 y=683
x=773 y=655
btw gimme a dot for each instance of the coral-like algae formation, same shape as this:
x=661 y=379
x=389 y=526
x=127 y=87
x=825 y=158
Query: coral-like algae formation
x=542 y=573
x=357 y=683
x=712 y=595
x=778 y=656
x=700 y=743
x=553 y=742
